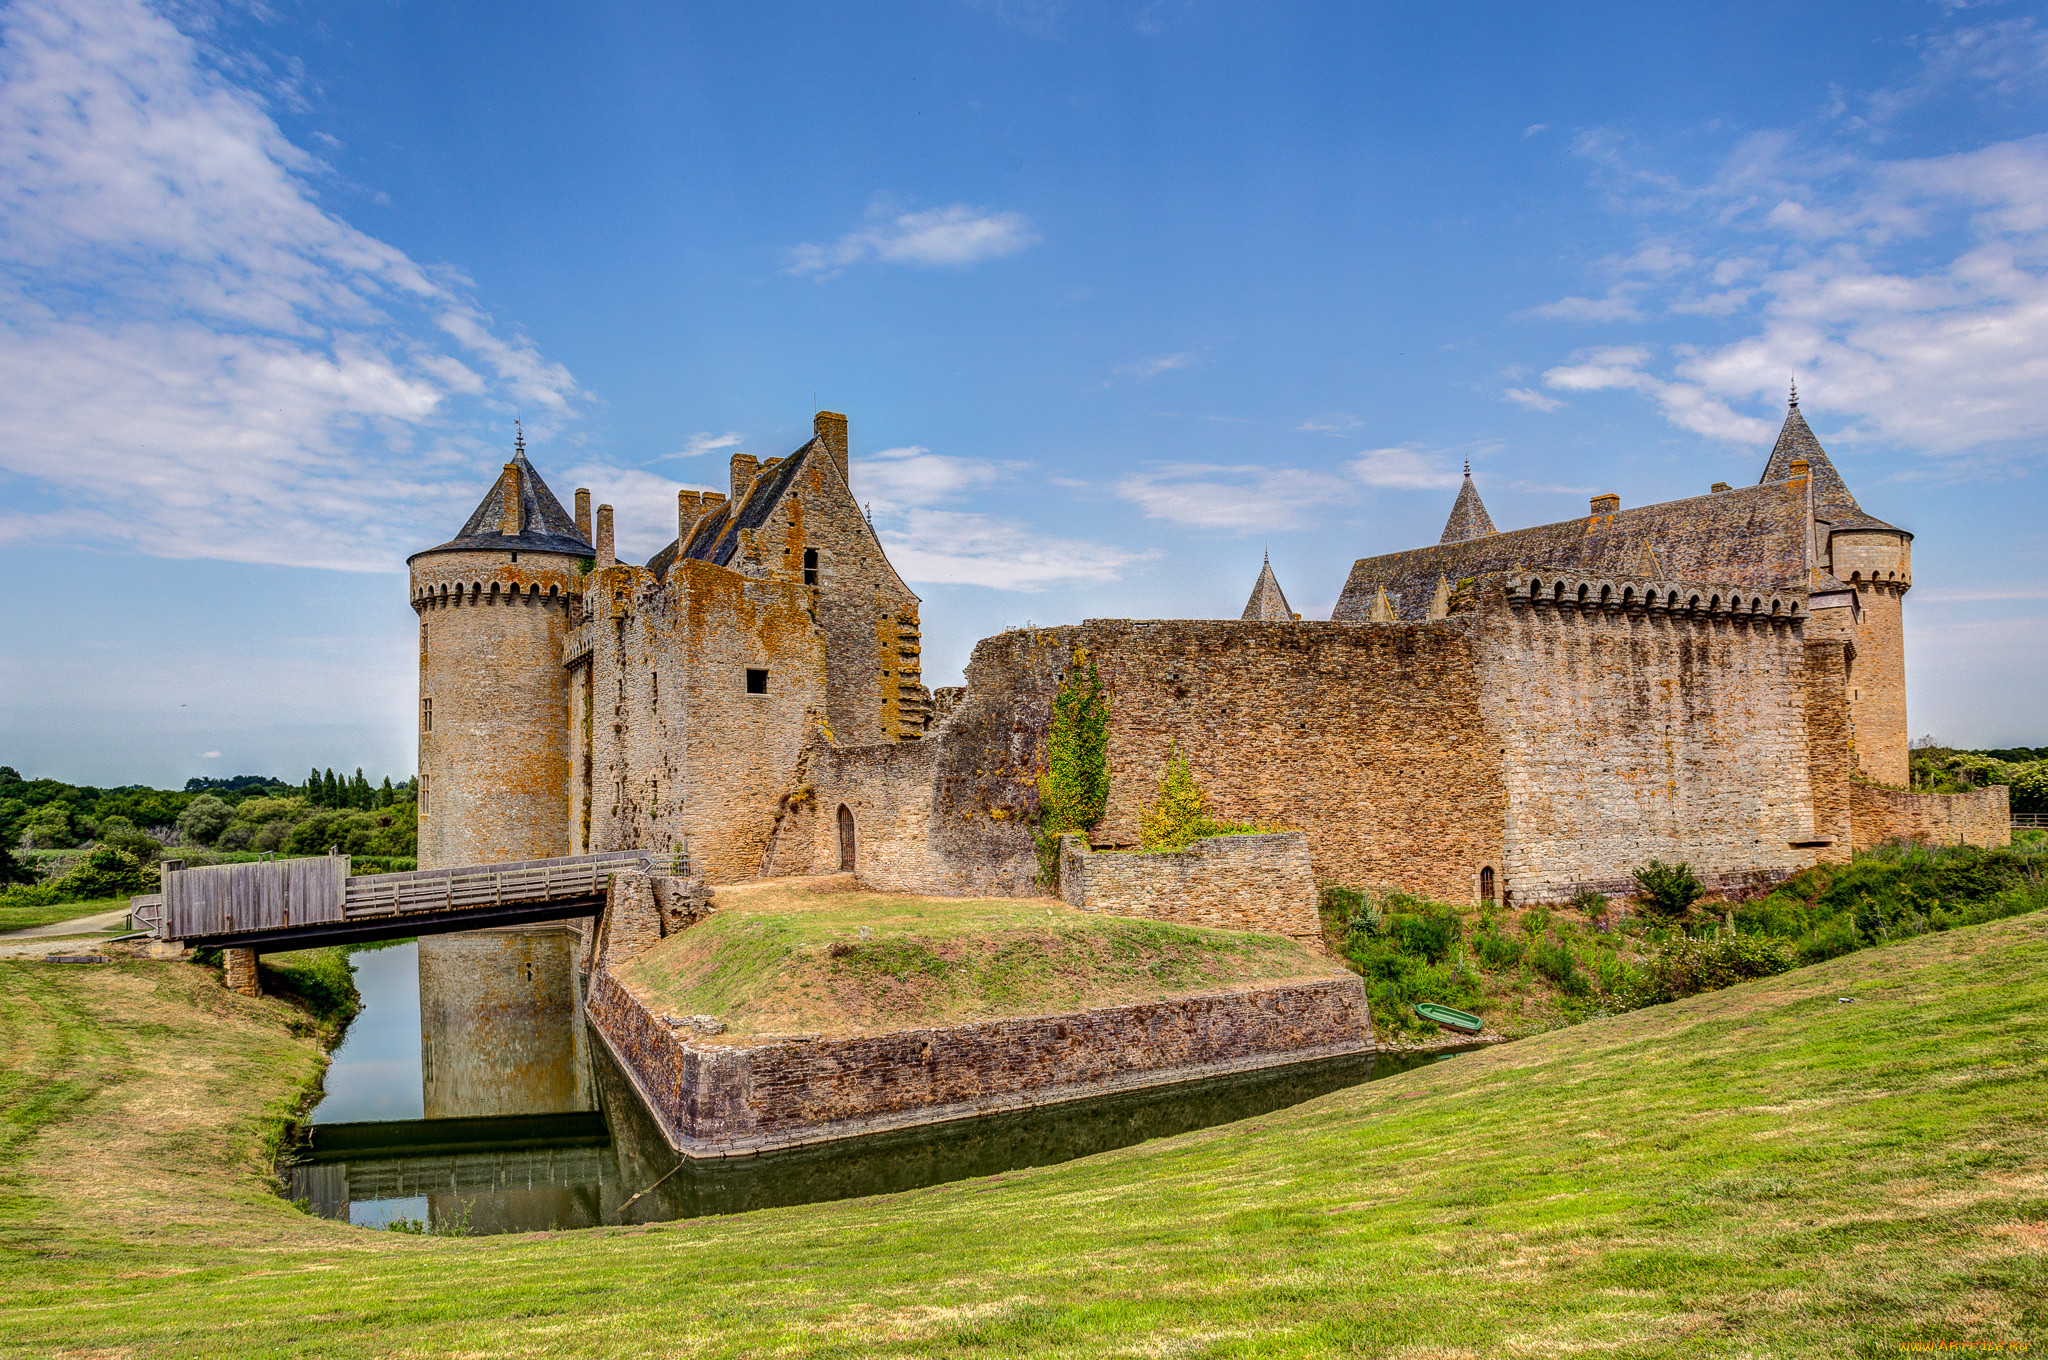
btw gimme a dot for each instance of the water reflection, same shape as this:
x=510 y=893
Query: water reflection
x=514 y=1120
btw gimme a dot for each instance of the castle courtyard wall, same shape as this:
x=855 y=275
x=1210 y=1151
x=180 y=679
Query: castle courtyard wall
x=1635 y=733
x=1978 y=817
x=1257 y=883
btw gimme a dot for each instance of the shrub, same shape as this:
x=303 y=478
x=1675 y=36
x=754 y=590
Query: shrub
x=1535 y=921
x=1553 y=958
x=203 y=819
x=1592 y=905
x=1075 y=786
x=1686 y=966
x=1180 y=811
x=1495 y=950
x=1427 y=934
x=1669 y=890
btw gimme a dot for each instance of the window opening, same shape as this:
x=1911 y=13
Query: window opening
x=810 y=566
x=426 y=715
x=423 y=795
x=845 y=840
x=757 y=681
x=1486 y=884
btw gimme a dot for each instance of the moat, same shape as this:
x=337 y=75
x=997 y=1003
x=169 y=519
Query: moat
x=467 y=1096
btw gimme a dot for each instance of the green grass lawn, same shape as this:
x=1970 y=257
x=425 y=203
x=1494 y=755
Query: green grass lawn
x=1761 y=1171
x=27 y=917
x=788 y=956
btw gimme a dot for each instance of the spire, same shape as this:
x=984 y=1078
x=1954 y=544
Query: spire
x=1831 y=497
x=1469 y=519
x=1267 y=604
x=519 y=438
x=520 y=513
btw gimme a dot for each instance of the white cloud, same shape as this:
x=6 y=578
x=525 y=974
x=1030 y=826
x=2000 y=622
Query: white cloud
x=1534 y=400
x=700 y=444
x=196 y=359
x=1617 y=304
x=1234 y=498
x=897 y=479
x=210 y=755
x=1153 y=367
x=953 y=547
x=1406 y=468
x=644 y=513
x=954 y=236
x=1339 y=423
x=1534 y=128
x=1687 y=405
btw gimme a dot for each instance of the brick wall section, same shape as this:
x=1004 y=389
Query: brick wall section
x=495 y=765
x=1261 y=883
x=238 y=970
x=1637 y=733
x=1979 y=817
x=713 y=1099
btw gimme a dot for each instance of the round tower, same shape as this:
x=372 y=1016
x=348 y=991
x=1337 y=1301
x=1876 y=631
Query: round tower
x=493 y=718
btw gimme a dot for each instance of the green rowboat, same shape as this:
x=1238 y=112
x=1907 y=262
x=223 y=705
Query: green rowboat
x=1448 y=1018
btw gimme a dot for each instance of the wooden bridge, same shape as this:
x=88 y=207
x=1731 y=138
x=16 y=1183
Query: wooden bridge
x=303 y=903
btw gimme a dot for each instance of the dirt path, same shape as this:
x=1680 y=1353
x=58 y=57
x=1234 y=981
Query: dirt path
x=99 y=923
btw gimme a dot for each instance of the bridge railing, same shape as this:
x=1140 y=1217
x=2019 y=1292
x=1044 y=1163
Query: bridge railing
x=237 y=899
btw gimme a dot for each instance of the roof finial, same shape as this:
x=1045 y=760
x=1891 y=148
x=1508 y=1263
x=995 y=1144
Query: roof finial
x=518 y=438
x=1468 y=465
x=1795 y=392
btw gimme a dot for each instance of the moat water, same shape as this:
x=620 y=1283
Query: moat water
x=468 y=1097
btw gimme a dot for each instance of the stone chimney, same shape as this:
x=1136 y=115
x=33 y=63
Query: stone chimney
x=1801 y=469
x=508 y=511
x=830 y=426
x=712 y=500
x=745 y=466
x=606 y=556
x=583 y=513
x=689 y=505
x=1718 y=487
x=1606 y=504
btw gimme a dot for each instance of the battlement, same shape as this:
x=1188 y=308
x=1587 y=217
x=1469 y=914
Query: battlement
x=1567 y=593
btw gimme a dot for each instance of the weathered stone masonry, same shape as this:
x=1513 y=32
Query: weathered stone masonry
x=1260 y=883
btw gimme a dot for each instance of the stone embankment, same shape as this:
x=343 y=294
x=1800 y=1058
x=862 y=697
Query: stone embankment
x=735 y=1096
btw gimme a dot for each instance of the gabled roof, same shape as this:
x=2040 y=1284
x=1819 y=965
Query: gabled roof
x=716 y=536
x=1469 y=519
x=544 y=526
x=1268 y=604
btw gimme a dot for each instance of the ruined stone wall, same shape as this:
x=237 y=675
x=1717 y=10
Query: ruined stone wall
x=1368 y=738
x=494 y=768
x=1261 y=883
x=1675 y=730
x=718 y=1098
x=887 y=788
x=1979 y=817
x=680 y=748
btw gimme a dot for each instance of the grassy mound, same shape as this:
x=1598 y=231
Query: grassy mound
x=1759 y=1171
x=788 y=957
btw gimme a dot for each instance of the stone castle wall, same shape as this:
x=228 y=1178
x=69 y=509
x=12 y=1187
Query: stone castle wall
x=1979 y=817
x=494 y=768
x=718 y=1099
x=1880 y=567
x=1627 y=734
x=678 y=746
x=1258 y=883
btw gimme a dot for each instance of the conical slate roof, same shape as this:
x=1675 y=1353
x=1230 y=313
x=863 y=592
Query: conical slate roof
x=1832 y=499
x=544 y=526
x=1469 y=519
x=1267 y=604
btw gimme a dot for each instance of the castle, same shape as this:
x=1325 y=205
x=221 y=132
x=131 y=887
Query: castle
x=1516 y=715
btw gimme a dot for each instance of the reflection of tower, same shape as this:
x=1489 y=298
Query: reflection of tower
x=494 y=700
x=500 y=1030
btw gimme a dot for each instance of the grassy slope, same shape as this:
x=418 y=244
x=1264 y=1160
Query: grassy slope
x=787 y=957
x=1760 y=1172
x=24 y=917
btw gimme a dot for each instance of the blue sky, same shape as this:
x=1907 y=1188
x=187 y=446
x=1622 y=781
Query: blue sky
x=1117 y=297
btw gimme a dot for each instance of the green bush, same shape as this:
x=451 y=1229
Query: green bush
x=1685 y=967
x=1553 y=958
x=1427 y=934
x=1669 y=890
x=203 y=819
x=1074 y=789
x=1592 y=905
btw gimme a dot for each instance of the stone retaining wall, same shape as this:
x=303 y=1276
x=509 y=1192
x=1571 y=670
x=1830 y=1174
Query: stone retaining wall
x=1259 y=883
x=720 y=1100
x=1979 y=817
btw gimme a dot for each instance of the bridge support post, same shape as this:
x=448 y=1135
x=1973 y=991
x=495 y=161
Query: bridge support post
x=240 y=966
x=631 y=923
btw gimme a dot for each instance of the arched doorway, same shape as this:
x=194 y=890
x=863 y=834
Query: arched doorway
x=845 y=840
x=1486 y=884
